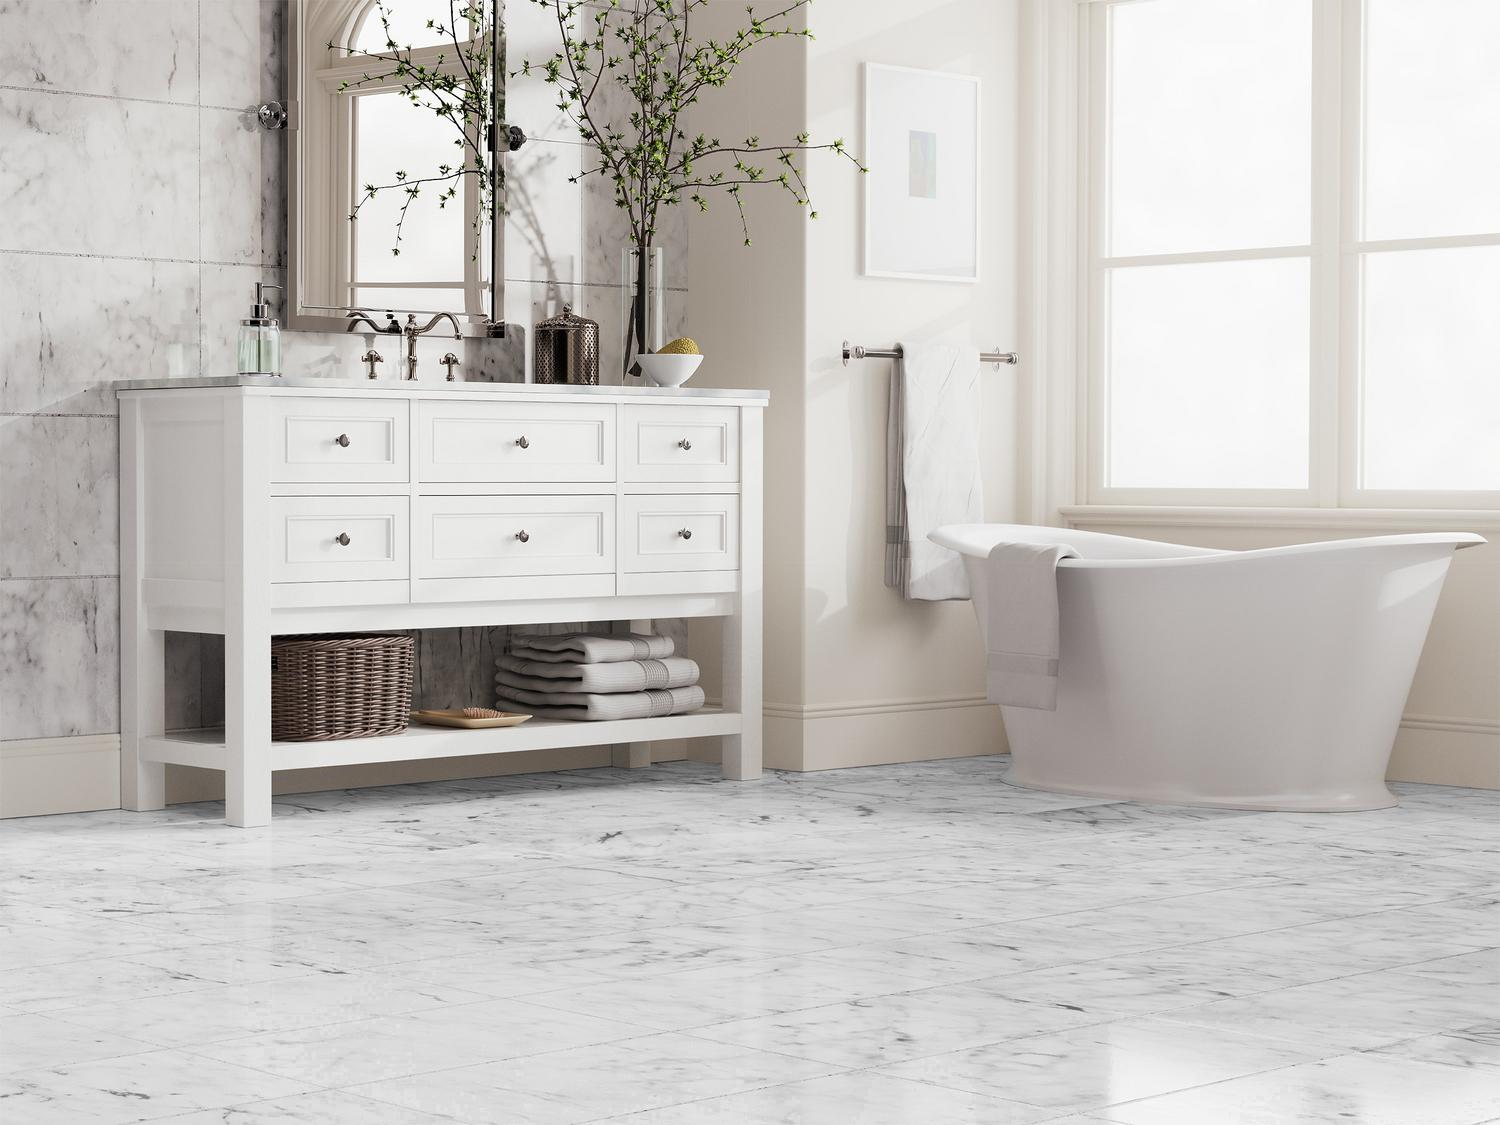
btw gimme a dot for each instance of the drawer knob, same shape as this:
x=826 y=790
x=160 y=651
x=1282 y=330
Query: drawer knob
x=686 y=532
x=522 y=442
x=522 y=536
x=342 y=439
x=684 y=444
x=342 y=539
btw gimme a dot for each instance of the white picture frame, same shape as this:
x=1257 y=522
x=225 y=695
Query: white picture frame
x=921 y=206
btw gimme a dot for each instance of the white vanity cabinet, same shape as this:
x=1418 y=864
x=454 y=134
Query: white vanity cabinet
x=255 y=508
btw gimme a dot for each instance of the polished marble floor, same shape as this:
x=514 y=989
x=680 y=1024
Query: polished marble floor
x=900 y=945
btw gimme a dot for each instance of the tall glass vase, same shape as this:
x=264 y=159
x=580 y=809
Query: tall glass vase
x=642 y=301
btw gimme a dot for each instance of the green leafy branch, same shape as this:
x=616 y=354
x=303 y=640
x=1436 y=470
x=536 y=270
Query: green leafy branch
x=646 y=50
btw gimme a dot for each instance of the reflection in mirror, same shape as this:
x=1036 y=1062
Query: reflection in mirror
x=392 y=200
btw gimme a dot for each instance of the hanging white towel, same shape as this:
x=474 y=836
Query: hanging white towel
x=932 y=466
x=1022 y=623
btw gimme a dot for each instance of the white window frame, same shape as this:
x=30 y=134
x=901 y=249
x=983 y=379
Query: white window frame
x=1063 y=194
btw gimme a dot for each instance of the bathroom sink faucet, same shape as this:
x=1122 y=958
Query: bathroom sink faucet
x=411 y=331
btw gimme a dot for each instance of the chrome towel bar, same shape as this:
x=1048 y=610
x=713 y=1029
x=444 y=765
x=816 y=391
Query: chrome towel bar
x=859 y=351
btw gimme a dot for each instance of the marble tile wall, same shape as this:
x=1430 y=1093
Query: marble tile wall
x=141 y=204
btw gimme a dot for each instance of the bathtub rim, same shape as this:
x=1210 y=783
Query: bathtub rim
x=956 y=537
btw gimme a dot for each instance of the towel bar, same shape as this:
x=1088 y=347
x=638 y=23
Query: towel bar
x=859 y=351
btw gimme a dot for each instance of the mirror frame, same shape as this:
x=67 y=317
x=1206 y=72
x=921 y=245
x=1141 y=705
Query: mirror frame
x=334 y=318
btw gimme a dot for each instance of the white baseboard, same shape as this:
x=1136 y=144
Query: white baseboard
x=82 y=773
x=826 y=736
x=1443 y=750
x=39 y=776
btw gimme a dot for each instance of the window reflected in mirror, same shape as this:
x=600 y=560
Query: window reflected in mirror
x=392 y=188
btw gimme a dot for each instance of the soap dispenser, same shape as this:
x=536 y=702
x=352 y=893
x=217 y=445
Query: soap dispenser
x=260 y=337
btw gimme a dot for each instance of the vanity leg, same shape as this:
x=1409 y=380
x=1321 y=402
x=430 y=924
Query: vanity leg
x=247 y=616
x=143 y=785
x=247 y=730
x=632 y=755
x=742 y=631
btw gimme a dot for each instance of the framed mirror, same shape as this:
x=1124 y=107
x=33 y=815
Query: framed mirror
x=396 y=159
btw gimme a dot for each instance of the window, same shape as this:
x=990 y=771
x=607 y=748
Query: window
x=359 y=129
x=1292 y=241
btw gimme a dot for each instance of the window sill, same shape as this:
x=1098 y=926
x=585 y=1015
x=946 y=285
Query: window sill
x=1371 y=519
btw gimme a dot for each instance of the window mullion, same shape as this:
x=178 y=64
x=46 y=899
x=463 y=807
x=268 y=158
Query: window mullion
x=1325 y=337
x=1349 y=148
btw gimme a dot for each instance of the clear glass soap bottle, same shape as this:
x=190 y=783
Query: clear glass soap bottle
x=260 y=337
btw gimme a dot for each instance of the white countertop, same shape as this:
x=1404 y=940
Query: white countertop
x=394 y=386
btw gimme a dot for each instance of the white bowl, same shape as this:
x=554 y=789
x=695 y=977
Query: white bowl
x=669 y=370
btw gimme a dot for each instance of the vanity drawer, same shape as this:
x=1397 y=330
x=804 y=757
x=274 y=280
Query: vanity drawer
x=507 y=536
x=339 y=441
x=681 y=443
x=506 y=442
x=339 y=538
x=671 y=533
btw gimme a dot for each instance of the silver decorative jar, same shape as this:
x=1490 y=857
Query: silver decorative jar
x=566 y=350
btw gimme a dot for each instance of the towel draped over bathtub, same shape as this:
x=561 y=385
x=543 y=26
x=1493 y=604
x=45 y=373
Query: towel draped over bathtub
x=1022 y=629
x=932 y=467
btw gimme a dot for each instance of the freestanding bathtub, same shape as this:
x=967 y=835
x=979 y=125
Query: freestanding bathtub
x=1269 y=679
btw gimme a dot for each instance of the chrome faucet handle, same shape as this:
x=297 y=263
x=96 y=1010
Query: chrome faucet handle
x=370 y=359
x=450 y=361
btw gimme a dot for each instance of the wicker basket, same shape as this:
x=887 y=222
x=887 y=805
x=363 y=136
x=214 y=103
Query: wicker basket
x=339 y=686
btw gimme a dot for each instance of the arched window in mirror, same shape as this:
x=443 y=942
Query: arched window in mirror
x=405 y=23
x=361 y=127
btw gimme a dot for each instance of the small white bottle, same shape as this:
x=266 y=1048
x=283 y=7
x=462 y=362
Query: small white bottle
x=260 y=337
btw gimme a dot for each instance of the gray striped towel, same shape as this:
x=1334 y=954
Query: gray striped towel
x=592 y=706
x=620 y=675
x=587 y=648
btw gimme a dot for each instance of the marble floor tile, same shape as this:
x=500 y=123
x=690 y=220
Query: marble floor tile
x=213 y=1015
x=593 y=1083
x=863 y=1097
x=139 y=1087
x=323 y=1107
x=900 y=1026
x=597 y=944
x=35 y=1042
x=1356 y=1012
x=1472 y=1046
x=1364 y=1088
x=1090 y=1067
x=344 y=1054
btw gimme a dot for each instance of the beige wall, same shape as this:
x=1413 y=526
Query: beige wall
x=853 y=673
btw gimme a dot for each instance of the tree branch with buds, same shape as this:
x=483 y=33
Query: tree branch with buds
x=646 y=50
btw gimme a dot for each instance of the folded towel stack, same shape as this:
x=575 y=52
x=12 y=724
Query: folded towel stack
x=581 y=676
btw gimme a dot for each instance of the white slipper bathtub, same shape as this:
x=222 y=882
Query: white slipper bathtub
x=1270 y=679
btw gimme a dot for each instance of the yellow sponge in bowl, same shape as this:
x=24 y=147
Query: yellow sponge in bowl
x=683 y=345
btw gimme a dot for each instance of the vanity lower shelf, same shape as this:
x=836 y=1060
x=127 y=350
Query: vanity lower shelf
x=205 y=748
